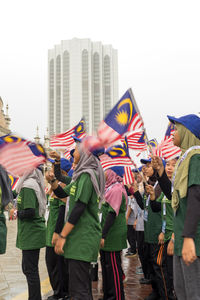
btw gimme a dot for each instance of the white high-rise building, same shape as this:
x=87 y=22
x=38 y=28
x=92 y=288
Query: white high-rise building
x=83 y=82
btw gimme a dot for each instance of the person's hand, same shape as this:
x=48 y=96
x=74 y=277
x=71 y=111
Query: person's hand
x=134 y=224
x=150 y=190
x=102 y=243
x=170 y=248
x=157 y=164
x=54 y=155
x=126 y=220
x=54 y=238
x=161 y=238
x=188 y=251
x=135 y=186
x=11 y=213
x=59 y=245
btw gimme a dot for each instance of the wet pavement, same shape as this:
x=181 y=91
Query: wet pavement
x=13 y=284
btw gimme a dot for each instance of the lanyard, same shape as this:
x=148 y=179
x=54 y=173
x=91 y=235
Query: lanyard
x=164 y=221
x=180 y=162
x=147 y=205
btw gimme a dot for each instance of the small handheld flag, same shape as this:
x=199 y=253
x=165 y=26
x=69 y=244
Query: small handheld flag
x=65 y=140
x=123 y=118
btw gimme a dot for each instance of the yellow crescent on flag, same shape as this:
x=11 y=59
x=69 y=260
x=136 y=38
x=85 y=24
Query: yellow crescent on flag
x=127 y=100
x=114 y=152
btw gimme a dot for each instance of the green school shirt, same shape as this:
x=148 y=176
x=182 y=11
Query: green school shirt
x=31 y=233
x=84 y=240
x=168 y=217
x=117 y=235
x=153 y=225
x=54 y=205
x=3 y=228
x=179 y=219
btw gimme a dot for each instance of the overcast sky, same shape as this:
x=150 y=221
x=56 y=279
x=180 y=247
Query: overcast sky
x=158 y=45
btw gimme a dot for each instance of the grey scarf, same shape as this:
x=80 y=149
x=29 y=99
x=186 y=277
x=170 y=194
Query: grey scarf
x=7 y=195
x=35 y=181
x=90 y=164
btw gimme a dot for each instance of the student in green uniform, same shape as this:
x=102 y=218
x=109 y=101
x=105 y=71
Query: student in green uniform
x=114 y=235
x=152 y=228
x=79 y=240
x=31 y=233
x=5 y=198
x=57 y=270
x=165 y=261
x=185 y=196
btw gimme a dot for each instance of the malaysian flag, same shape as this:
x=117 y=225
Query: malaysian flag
x=65 y=140
x=107 y=162
x=116 y=155
x=128 y=176
x=13 y=181
x=170 y=131
x=124 y=117
x=18 y=156
x=136 y=140
x=167 y=150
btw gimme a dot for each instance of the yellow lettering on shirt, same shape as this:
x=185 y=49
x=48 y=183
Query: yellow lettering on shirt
x=19 y=200
x=72 y=190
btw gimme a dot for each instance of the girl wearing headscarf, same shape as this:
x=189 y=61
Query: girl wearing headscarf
x=80 y=237
x=185 y=197
x=31 y=230
x=114 y=235
x=5 y=198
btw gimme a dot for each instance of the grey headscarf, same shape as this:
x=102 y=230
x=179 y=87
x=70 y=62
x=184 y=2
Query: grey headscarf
x=35 y=181
x=90 y=164
x=7 y=195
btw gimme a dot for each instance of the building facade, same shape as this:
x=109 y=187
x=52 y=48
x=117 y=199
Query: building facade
x=82 y=82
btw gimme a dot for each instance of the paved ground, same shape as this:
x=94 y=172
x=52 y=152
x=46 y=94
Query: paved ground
x=13 y=285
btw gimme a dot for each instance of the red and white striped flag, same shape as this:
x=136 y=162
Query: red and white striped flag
x=108 y=162
x=136 y=140
x=128 y=176
x=167 y=150
x=65 y=140
x=62 y=140
x=17 y=158
x=67 y=153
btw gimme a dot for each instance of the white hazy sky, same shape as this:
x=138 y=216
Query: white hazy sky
x=158 y=46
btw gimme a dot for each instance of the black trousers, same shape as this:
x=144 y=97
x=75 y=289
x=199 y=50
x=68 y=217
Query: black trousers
x=140 y=247
x=131 y=237
x=57 y=267
x=149 y=271
x=80 y=286
x=161 y=265
x=30 y=259
x=112 y=275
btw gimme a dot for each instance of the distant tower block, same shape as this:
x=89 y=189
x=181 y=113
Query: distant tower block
x=82 y=82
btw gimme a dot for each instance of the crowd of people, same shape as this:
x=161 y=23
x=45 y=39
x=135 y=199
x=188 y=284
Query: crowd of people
x=92 y=214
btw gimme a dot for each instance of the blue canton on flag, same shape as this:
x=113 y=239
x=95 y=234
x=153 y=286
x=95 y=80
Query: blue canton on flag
x=121 y=116
x=80 y=129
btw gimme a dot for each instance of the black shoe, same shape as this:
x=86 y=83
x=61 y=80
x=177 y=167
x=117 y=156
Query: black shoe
x=144 y=281
x=153 y=296
x=53 y=298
